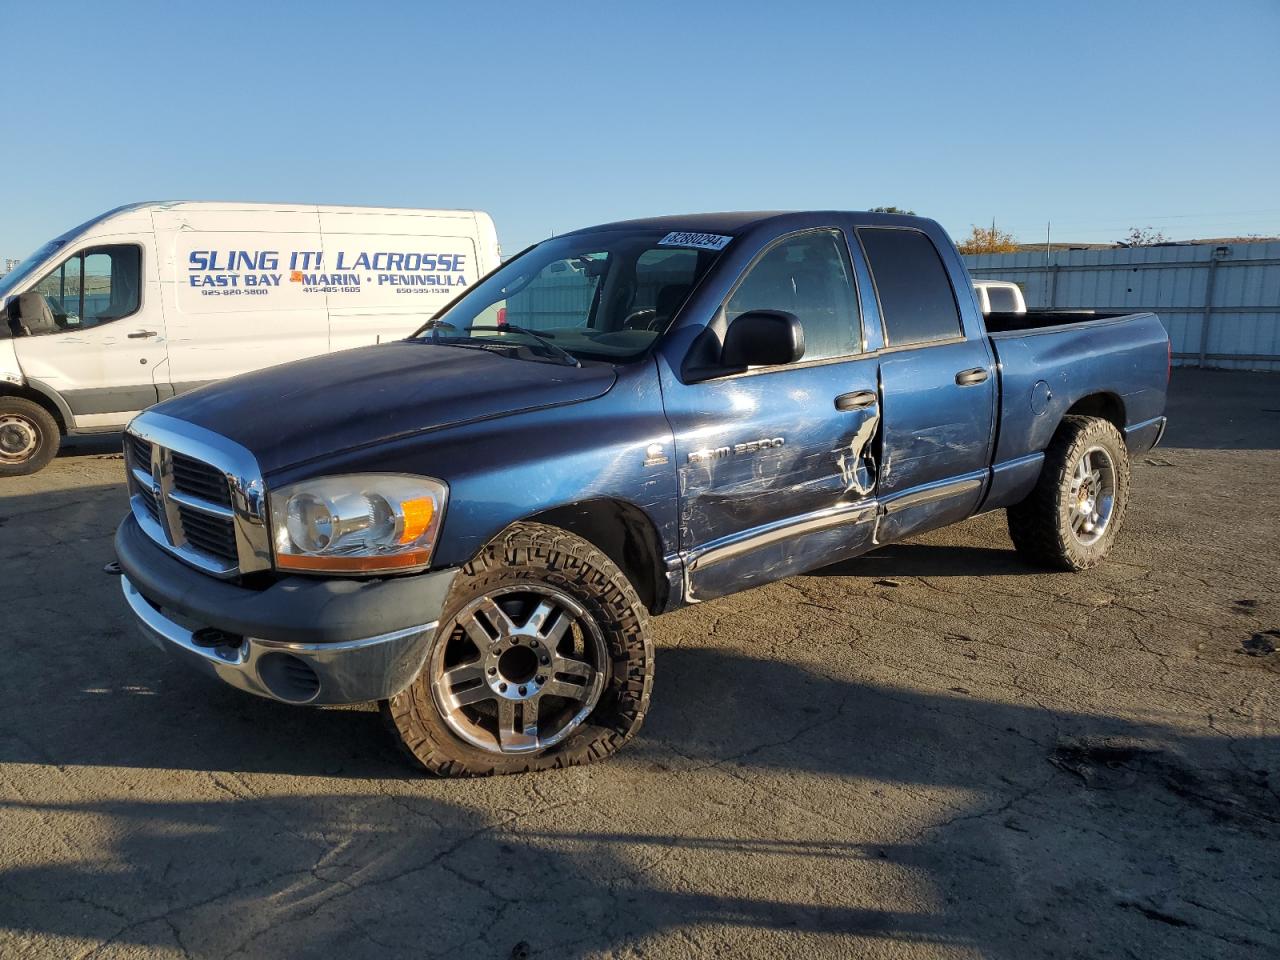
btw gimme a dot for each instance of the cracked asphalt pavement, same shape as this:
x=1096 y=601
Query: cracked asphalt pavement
x=932 y=751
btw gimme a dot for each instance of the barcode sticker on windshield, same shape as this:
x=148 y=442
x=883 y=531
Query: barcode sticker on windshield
x=703 y=241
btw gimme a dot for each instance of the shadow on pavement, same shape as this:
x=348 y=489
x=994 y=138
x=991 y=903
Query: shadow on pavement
x=1076 y=819
x=92 y=444
x=930 y=560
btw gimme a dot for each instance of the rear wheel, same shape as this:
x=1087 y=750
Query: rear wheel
x=542 y=659
x=29 y=437
x=1072 y=517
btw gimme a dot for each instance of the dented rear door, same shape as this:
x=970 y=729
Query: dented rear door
x=938 y=384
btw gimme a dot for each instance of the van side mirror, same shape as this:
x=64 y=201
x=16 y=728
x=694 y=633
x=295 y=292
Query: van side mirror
x=762 y=338
x=13 y=321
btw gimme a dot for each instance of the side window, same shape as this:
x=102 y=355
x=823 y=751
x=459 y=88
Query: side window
x=60 y=308
x=809 y=276
x=916 y=300
x=112 y=283
x=89 y=289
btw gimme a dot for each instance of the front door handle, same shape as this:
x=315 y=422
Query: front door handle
x=142 y=334
x=969 y=378
x=859 y=400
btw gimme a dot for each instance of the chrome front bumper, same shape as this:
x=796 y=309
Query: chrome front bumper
x=351 y=671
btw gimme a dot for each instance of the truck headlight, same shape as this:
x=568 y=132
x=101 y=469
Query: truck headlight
x=363 y=523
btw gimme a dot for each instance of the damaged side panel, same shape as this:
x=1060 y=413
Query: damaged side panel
x=773 y=478
x=937 y=436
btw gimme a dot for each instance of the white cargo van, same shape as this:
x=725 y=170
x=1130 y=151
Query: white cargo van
x=154 y=299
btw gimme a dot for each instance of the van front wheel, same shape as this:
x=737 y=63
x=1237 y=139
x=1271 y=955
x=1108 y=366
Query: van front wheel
x=29 y=437
x=542 y=659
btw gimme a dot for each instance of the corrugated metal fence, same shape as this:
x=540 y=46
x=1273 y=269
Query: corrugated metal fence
x=1220 y=304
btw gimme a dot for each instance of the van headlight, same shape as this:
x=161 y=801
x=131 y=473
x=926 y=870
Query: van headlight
x=363 y=523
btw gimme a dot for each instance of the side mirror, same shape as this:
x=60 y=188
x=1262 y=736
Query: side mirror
x=763 y=338
x=13 y=321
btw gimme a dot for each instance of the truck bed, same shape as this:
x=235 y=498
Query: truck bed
x=1053 y=362
x=1040 y=319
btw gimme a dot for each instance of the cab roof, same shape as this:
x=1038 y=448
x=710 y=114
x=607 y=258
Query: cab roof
x=732 y=223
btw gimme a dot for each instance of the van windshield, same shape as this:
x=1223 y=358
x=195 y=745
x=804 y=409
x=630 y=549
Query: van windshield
x=10 y=281
x=604 y=295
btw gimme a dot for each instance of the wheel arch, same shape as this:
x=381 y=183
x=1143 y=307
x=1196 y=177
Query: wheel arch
x=622 y=532
x=1103 y=404
x=48 y=399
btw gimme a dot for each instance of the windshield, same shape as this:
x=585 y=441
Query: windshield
x=606 y=295
x=19 y=273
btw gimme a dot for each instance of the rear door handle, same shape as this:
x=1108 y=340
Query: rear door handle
x=969 y=378
x=858 y=400
x=142 y=334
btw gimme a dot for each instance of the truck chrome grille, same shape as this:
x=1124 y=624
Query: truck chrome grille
x=200 y=480
x=214 y=536
x=138 y=450
x=148 y=501
x=205 y=508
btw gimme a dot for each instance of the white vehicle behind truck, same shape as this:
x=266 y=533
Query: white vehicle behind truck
x=999 y=296
x=151 y=300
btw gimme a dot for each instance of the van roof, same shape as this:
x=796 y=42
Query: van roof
x=290 y=207
x=252 y=205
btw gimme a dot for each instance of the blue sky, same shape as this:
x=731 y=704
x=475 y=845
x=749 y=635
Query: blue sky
x=552 y=116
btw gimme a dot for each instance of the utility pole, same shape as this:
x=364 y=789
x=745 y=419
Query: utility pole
x=1050 y=276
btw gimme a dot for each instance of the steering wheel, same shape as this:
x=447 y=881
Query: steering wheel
x=60 y=317
x=645 y=319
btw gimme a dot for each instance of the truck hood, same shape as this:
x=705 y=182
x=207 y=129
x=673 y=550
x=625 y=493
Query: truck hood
x=313 y=408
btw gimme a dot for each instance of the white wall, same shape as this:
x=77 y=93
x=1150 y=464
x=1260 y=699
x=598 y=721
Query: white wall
x=1221 y=306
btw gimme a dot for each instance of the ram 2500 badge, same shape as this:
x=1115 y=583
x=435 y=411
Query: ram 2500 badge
x=473 y=526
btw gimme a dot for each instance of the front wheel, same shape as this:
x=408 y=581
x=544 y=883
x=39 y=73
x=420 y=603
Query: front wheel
x=29 y=437
x=1071 y=518
x=542 y=659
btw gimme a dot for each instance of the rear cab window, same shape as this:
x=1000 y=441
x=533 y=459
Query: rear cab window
x=917 y=301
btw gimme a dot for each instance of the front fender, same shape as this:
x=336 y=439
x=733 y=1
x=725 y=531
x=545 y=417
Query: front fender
x=10 y=372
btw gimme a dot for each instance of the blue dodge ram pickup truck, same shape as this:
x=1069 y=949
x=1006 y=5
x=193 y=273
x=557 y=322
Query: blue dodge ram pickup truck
x=474 y=525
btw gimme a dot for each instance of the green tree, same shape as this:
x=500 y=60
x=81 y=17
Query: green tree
x=902 y=210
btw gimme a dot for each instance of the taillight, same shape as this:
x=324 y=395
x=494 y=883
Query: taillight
x=502 y=319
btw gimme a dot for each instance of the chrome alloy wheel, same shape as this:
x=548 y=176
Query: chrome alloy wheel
x=1093 y=495
x=518 y=669
x=19 y=438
